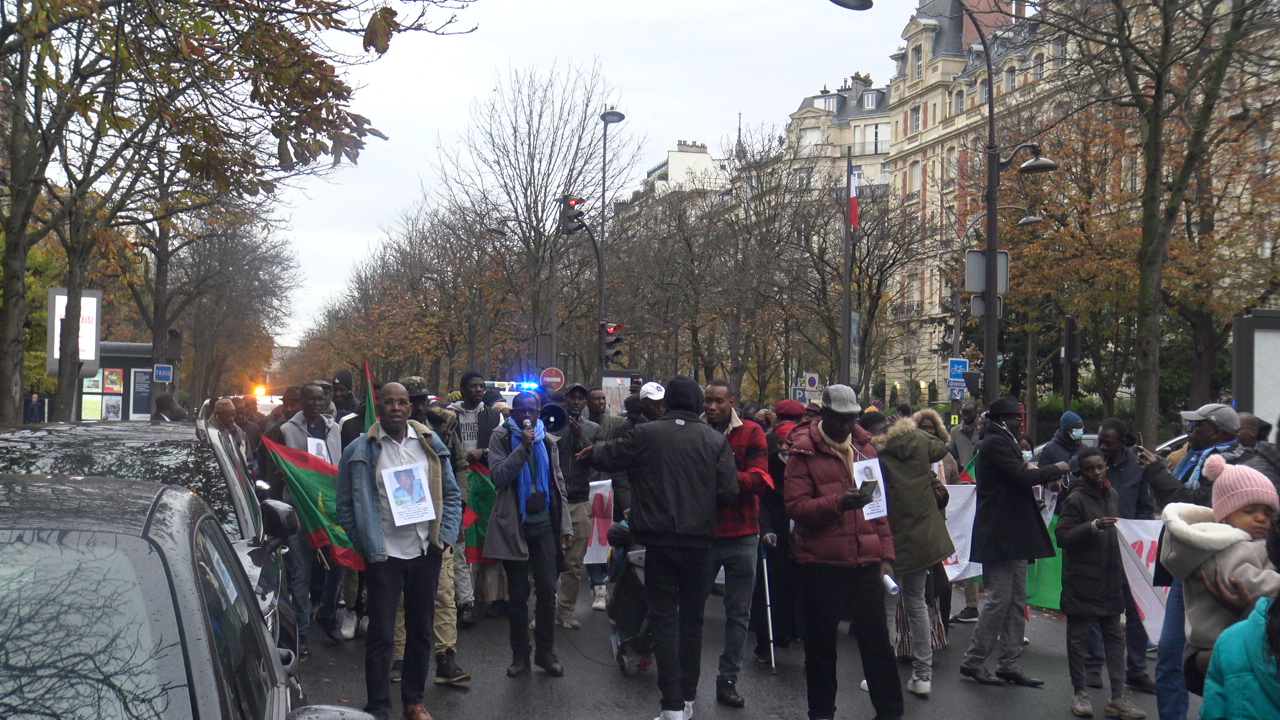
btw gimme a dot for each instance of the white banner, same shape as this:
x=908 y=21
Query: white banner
x=601 y=519
x=960 y=511
x=1139 y=549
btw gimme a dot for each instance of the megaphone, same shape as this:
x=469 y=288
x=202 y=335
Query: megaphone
x=554 y=417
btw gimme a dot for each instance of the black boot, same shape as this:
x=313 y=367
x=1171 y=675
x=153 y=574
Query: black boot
x=448 y=671
x=727 y=694
x=519 y=667
x=549 y=664
x=466 y=615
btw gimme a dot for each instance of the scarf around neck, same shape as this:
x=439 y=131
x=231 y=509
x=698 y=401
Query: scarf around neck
x=541 y=462
x=1189 y=468
x=845 y=450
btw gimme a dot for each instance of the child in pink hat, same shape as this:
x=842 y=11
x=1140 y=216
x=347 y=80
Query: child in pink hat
x=1225 y=541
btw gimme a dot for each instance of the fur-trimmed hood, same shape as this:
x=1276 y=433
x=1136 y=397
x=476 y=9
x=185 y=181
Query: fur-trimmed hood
x=902 y=427
x=1192 y=537
x=933 y=415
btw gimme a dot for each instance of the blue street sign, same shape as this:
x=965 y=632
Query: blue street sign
x=957 y=368
x=798 y=394
x=956 y=393
x=162 y=374
x=956 y=384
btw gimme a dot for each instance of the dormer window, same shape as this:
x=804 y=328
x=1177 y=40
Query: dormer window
x=827 y=102
x=869 y=100
x=917 y=61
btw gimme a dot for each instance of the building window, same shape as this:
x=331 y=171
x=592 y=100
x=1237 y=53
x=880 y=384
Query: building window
x=1037 y=67
x=949 y=168
x=809 y=139
x=917 y=61
x=855 y=173
x=869 y=100
x=804 y=178
x=1010 y=79
x=915 y=119
x=828 y=103
x=959 y=102
x=913 y=181
x=1059 y=53
x=984 y=90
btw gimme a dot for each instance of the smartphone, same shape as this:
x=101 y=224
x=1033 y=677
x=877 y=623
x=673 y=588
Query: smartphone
x=869 y=486
x=635 y=378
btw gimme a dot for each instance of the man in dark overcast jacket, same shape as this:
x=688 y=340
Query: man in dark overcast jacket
x=681 y=471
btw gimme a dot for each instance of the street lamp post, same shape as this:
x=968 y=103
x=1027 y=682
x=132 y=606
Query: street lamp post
x=995 y=164
x=608 y=117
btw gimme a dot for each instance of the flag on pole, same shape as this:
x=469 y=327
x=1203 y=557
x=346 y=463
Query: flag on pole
x=370 y=399
x=475 y=519
x=969 y=475
x=853 y=197
x=313 y=484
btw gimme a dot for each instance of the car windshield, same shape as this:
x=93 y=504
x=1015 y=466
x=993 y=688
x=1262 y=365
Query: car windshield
x=164 y=452
x=87 y=625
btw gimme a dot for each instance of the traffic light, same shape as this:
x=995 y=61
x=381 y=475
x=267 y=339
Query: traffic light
x=612 y=338
x=571 y=214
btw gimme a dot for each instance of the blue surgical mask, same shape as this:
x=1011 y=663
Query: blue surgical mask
x=1077 y=434
x=1027 y=455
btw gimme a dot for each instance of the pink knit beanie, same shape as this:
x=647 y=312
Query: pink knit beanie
x=1237 y=486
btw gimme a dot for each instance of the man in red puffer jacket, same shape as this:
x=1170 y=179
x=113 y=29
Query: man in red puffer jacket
x=840 y=554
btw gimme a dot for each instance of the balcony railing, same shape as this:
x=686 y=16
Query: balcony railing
x=904 y=310
x=878 y=147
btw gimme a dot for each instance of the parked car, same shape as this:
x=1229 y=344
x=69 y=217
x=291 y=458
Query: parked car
x=125 y=599
x=171 y=454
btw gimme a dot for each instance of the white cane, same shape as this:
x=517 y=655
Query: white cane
x=768 y=612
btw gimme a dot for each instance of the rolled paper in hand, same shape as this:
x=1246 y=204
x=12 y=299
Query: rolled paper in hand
x=890 y=585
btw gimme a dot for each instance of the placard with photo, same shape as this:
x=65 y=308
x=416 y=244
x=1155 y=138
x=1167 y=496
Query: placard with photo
x=92 y=384
x=112 y=407
x=865 y=471
x=407 y=491
x=113 y=381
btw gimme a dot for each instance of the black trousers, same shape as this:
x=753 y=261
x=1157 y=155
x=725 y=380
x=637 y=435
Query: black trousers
x=386 y=581
x=542 y=566
x=675 y=584
x=821 y=588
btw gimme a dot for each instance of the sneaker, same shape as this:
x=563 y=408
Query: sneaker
x=1080 y=705
x=601 y=601
x=467 y=614
x=348 y=624
x=568 y=623
x=332 y=628
x=967 y=615
x=1125 y=709
x=397 y=670
x=362 y=628
x=727 y=693
x=865 y=687
x=920 y=685
x=687 y=713
x=670 y=715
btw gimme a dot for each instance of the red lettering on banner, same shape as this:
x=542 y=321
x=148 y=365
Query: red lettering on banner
x=601 y=517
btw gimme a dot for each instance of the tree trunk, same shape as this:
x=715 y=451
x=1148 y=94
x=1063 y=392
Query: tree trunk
x=12 y=339
x=1206 y=344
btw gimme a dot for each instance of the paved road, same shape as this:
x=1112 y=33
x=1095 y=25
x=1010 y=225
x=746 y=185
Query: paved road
x=593 y=689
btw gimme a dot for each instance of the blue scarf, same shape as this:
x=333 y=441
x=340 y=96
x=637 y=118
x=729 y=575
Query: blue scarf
x=539 y=460
x=1188 y=470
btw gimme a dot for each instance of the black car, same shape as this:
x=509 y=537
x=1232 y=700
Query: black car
x=169 y=453
x=125 y=599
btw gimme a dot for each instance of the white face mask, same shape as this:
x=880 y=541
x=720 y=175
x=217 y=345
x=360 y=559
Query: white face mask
x=1077 y=434
x=783 y=456
x=1027 y=455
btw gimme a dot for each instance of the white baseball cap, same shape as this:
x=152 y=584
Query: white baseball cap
x=652 y=391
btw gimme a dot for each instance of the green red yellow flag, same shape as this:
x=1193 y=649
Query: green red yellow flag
x=476 y=517
x=969 y=475
x=313 y=484
x=370 y=399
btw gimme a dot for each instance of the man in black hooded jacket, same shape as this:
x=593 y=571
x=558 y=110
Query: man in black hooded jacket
x=681 y=471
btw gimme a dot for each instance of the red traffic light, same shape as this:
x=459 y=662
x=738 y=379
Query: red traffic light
x=573 y=203
x=611 y=328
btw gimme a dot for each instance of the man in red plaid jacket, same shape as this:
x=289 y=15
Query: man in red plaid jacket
x=737 y=532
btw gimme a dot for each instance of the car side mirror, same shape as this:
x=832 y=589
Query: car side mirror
x=279 y=519
x=328 y=712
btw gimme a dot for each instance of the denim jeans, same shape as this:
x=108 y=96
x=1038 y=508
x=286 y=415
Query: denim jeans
x=1003 y=618
x=599 y=574
x=298 y=567
x=738 y=558
x=914 y=588
x=1171 y=687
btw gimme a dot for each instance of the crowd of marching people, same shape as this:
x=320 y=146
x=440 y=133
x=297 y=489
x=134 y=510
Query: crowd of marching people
x=466 y=507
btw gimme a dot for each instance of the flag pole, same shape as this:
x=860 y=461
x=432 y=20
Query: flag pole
x=846 y=310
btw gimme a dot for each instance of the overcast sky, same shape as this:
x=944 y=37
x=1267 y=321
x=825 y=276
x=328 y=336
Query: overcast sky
x=684 y=69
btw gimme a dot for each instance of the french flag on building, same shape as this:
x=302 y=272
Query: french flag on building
x=853 y=198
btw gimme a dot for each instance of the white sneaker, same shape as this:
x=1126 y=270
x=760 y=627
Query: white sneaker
x=348 y=626
x=670 y=715
x=920 y=686
x=688 y=710
x=362 y=628
x=601 y=601
x=864 y=686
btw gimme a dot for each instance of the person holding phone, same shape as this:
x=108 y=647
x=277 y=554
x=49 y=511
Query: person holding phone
x=1093 y=582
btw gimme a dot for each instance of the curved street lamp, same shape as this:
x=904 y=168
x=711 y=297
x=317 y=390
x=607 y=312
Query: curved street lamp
x=995 y=164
